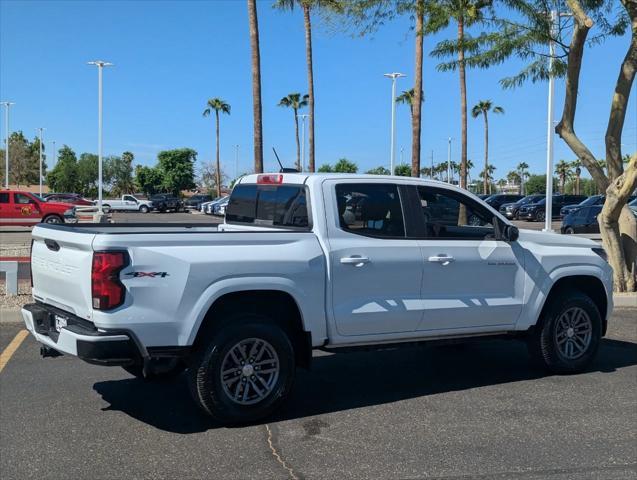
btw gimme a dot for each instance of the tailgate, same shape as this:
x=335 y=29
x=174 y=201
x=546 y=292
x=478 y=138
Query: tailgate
x=61 y=268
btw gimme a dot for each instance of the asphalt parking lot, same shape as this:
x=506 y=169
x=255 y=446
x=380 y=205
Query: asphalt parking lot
x=472 y=411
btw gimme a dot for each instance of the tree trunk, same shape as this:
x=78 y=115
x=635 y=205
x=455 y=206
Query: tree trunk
x=218 y=164
x=310 y=84
x=416 y=104
x=617 y=224
x=298 y=143
x=256 y=86
x=486 y=147
x=462 y=212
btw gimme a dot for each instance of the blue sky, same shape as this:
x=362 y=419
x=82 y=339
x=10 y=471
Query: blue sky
x=171 y=56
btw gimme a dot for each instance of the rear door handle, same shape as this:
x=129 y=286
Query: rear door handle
x=444 y=259
x=357 y=261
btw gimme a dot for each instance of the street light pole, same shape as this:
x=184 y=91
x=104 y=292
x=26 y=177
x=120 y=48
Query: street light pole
x=449 y=161
x=40 y=129
x=303 y=117
x=550 y=132
x=6 y=150
x=100 y=66
x=392 y=155
x=55 y=156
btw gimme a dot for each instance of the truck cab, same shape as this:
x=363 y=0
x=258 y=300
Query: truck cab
x=22 y=208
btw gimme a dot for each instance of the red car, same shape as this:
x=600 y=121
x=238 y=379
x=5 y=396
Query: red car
x=26 y=209
x=72 y=198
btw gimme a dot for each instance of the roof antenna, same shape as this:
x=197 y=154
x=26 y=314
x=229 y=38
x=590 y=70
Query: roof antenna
x=283 y=169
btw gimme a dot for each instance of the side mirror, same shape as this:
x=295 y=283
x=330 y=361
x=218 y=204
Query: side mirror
x=511 y=233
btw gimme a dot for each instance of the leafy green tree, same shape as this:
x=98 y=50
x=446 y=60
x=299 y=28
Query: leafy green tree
x=483 y=107
x=63 y=177
x=217 y=105
x=24 y=164
x=148 y=179
x=295 y=101
x=378 y=171
x=326 y=168
x=119 y=173
x=87 y=174
x=177 y=168
x=536 y=184
x=345 y=166
x=402 y=170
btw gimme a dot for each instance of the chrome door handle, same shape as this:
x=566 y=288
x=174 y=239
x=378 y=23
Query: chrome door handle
x=354 y=260
x=444 y=259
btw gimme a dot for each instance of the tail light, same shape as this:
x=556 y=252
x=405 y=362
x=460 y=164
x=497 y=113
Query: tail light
x=269 y=179
x=106 y=289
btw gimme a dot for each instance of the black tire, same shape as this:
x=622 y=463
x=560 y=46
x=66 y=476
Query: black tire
x=53 y=219
x=205 y=377
x=144 y=209
x=569 y=231
x=541 y=216
x=162 y=369
x=543 y=341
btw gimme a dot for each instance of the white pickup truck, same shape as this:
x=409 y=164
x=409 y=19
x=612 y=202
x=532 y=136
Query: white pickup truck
x=127 y=203
x=303 y=262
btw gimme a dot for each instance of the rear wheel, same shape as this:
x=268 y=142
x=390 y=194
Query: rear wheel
x=568 y=334
x=244 y=372
x=569 y=231
x=541 y=216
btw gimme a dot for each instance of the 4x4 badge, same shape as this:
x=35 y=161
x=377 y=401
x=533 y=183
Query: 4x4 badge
x=147 y=274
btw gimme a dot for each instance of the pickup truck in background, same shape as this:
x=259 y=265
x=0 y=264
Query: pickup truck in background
x=164 y=202
x=303 y=262
x=26 y=209
x=128 y=203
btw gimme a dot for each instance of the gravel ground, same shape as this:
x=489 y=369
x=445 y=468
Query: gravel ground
x=14 y=302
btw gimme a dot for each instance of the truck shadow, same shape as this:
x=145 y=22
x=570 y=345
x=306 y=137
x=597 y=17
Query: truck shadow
x=346 y=381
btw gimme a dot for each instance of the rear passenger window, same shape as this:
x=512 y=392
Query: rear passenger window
x=370 y=209
x=268 y=206
x=4 y=197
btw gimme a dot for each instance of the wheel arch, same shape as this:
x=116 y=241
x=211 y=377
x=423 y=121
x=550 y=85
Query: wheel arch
x=278 y=304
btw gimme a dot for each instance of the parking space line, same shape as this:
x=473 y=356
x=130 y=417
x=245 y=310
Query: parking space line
x=8 y=352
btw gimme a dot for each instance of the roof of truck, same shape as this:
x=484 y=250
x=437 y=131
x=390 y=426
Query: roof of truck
x=300 y=178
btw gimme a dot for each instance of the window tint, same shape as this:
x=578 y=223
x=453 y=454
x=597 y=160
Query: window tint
x=371 y=209
x=22 y=199
x=4 y=197
x=268 y=205
x=128 y=198
x=451 y=215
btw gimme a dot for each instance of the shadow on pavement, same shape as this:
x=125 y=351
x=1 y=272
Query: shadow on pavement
x=353 y=380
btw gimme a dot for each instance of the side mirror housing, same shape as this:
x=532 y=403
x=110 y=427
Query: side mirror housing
x=511 y=233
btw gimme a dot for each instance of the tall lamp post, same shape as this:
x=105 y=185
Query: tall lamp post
x=40 y=130
x=55 y=155
x=393 y=77
x=100 y=64
x=6 y=150
x=303 y=117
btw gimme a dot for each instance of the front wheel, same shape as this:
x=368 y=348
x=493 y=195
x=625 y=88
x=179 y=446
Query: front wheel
x=53 y=219
x=144 y=209
x=568 y=334
x=541 y=216
x=569 y=231
x=245 y=371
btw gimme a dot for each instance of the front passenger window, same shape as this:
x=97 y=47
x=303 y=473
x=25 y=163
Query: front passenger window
x=451 y=215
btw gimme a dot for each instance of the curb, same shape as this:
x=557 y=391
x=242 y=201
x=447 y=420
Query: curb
x=10 y=316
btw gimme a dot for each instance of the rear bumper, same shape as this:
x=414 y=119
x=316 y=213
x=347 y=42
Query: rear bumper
x=79 y=337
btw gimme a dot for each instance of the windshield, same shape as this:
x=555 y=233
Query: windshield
x=527 y=200
x=590 y=201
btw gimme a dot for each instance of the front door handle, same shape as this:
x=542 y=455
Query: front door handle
x=357 y=261
x=440 y=258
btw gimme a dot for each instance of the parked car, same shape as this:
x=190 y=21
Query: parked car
x=26 y=209
x=590 y=201
x=512 y=210
x=537 y=211
x=164 y=202
x=128 y=203
x=219 y=208
x=633 y=205
x=500 y=198
x=582 y=220
x=208 y=207
x=195 y=201
x=304 y=262
x=71 y=198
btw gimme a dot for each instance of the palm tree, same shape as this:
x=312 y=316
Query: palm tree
x=523 y=171
x=469 y=168
x=577 y=165
x=487 y=175
x=295 y=102
x=513 y=177
x=218 y=105
x=256 y=86
x=563 y=171
x=483 y=107
x=408 y=97
x=307 y=6
x=418 y=97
